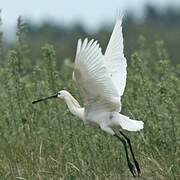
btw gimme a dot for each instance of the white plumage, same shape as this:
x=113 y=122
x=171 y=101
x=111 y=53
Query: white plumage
x=101 y=80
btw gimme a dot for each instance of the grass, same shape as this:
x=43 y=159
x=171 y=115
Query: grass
x=45 y=141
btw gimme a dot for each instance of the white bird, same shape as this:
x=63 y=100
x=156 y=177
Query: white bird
x=101 y=80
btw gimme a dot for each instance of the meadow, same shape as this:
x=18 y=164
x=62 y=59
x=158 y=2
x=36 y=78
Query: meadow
x=45 y=142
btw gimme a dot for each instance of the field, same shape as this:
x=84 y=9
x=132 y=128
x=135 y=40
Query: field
x=44 y=141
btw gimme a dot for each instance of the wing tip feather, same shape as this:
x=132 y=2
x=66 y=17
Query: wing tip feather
x=119 y=17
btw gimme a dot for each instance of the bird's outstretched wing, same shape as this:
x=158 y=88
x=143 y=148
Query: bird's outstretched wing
x=92 y=77
x=115 y=60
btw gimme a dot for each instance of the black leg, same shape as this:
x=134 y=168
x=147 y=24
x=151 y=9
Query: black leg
x=130 y=164
x=134 y=159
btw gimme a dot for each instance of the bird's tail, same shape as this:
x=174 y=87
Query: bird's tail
x=129 y=124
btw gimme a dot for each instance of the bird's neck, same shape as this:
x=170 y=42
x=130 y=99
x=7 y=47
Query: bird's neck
x=74 y=106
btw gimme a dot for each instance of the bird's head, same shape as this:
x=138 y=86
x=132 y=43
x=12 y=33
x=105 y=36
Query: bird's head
x=61 y=94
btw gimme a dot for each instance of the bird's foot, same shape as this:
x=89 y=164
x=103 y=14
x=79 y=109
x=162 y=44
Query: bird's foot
x=132 y=168
x=137 y=168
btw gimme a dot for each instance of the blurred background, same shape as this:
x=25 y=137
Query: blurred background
x=63 y=22
x=37 y=45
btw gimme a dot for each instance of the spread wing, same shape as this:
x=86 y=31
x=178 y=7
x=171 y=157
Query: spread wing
x=115 y=60
x=92 y=77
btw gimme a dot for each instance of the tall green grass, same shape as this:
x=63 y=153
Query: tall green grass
x=44 y=141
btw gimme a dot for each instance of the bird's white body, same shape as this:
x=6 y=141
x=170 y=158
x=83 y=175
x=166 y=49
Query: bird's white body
x=101 y=80
x=108 y=121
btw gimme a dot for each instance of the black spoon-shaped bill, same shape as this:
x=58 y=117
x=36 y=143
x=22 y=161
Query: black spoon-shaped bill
x=45 y=98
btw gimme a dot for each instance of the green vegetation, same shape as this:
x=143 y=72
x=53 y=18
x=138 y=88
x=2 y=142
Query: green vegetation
x=44 y=141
